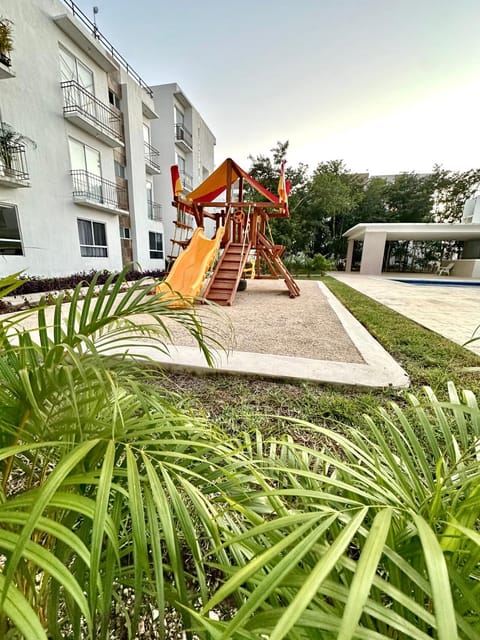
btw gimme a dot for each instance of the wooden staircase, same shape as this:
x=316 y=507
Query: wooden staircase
x=271 y=256
x=224 y=282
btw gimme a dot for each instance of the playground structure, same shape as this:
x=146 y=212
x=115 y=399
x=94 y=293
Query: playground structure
x=241 y=230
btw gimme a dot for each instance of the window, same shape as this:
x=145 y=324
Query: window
x=113 y=99
x=10 y=240
x=72 y=69
x=181 y=164
x=120 y=170
x=93 y=239
x=125 y=233
x=146 y=133
x=149 y=190
x=156 y=245
x=83 y=157
x=86 y=170
x=179 y=117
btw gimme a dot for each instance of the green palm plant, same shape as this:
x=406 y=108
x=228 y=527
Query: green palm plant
x=377 y=536
x=98 y=467
x=107 y=487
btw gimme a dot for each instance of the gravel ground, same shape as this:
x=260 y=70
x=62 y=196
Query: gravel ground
x=263 y=319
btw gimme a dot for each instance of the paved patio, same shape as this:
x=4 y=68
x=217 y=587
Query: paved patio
x=453 y=312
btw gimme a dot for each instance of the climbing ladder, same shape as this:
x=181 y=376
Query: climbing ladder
x=270 y=253
x=224 y=282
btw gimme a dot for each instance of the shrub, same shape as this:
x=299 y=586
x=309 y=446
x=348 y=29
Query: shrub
x=107 y=488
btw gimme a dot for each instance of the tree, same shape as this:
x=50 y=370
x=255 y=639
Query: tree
x=334 y=194
x=266 y=170
x=451 y=190
x=410 y=198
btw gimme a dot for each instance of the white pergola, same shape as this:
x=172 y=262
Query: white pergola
x=374 y=237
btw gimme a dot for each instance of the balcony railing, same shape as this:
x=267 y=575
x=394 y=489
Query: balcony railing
x=92 y=28
x=183 y=135
x=152 y=157
x=89 y=188
x=187 y=180
x=5 y=59
x=76 y=100
x=154 y=210
x=13 y=162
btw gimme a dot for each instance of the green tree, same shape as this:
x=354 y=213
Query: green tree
x=334 y=194
x=451 y=190
x=266 y=170
x=410 y=198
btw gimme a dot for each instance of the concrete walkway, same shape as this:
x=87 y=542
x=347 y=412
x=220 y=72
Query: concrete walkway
x=453 y=312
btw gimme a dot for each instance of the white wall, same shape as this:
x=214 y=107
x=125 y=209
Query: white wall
x=32 y=103
x=132 y=97
x=471 y=211
x=166 y=97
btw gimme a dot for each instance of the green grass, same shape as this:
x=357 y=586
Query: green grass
x=237 y=403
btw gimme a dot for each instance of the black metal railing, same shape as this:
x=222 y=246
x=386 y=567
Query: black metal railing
x=5 y=59
x=13 y=162
x=182 y=134
x=154 y=210
x=187 y=180
x=76 y=98
x=88 y=186
x=92 y=28
x=152 y=156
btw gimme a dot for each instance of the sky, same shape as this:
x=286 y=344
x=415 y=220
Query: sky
x=384 y=85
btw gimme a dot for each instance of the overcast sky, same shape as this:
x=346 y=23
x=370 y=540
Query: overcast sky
x=385 y=85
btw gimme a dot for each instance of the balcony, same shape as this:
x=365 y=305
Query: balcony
x=6 y=70
x=152 y=157
x=187 y=181
x=87 y=112
x=183 y=137
x=90 y=190
x=154 y=211
x=13 y=166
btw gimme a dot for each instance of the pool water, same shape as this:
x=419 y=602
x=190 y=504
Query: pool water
x=438 y=283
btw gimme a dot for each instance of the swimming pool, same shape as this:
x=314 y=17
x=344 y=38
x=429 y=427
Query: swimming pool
x=438 y=283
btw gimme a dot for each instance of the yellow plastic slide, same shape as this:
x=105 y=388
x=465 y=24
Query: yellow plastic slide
x=185 y=280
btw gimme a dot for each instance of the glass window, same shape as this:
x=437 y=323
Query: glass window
x=120 y=169
x=179 y=116
x=86 y=170
x=156 y=245
x=93 y=239
x=84 y=158
x=72 y=69
x=146 y=133
x=181 y=164
x=10 y=240
x=125 y=233
x=113 y=99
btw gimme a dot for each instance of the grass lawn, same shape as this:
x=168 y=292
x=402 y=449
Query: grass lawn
x=236 y=403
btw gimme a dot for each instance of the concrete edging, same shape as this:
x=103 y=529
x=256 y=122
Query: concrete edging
x=379 y=370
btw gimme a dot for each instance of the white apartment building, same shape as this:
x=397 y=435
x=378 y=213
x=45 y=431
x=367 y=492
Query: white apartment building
x=83 y=184
x=191 y=147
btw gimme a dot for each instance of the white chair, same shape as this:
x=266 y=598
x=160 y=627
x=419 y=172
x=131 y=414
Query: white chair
x=445 y=270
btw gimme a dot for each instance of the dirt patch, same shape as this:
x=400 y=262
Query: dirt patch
x=264 y=319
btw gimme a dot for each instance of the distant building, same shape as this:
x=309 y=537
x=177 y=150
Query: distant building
x=391 y=177
x=184 y=138
x=85 y=180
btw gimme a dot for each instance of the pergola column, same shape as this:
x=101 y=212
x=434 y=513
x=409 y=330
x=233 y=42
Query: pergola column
x=348 y=259
x=372 y=253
